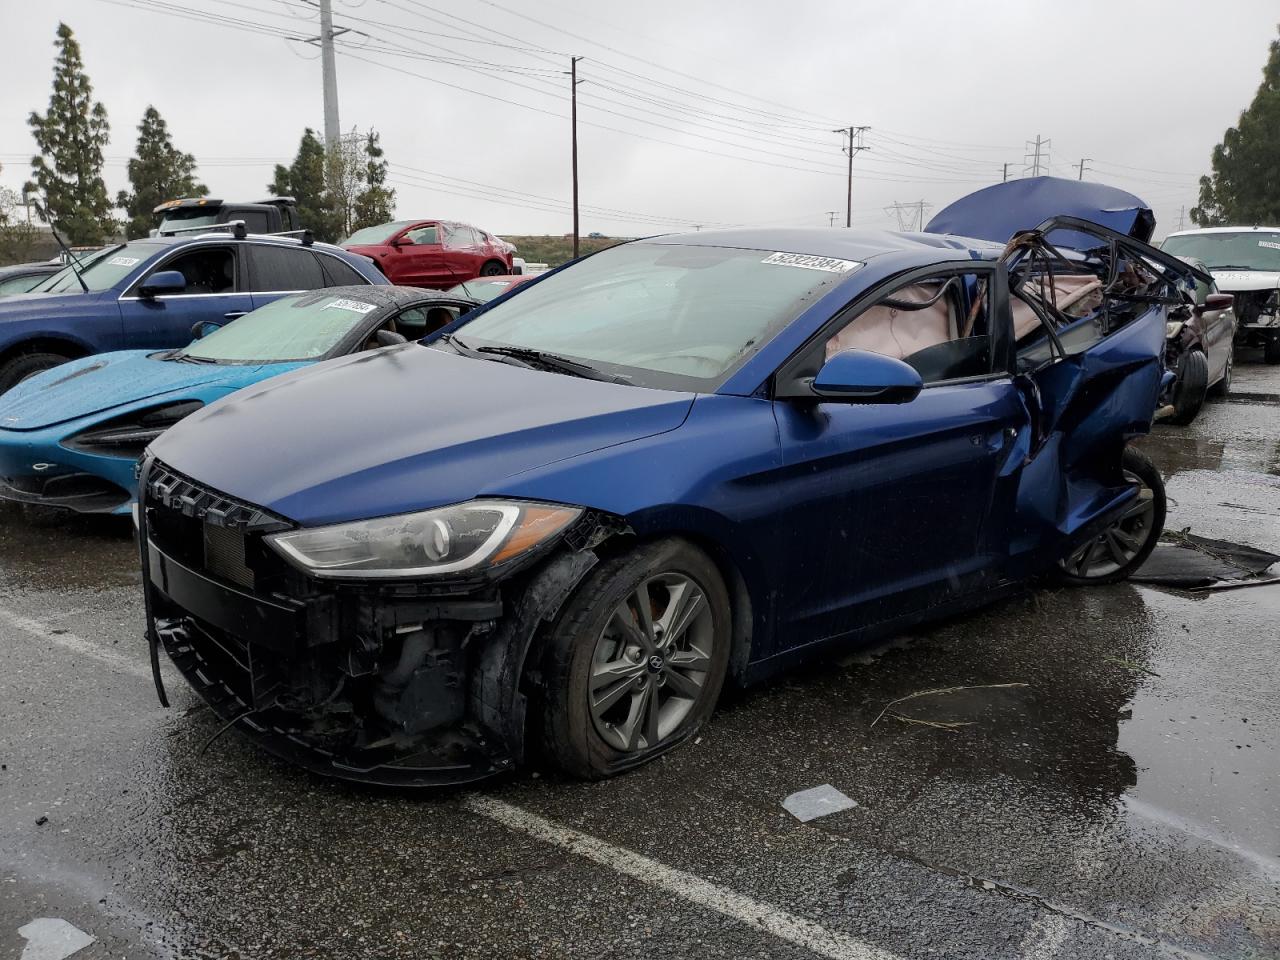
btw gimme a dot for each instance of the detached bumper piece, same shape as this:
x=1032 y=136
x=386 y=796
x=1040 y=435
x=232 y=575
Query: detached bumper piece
x=366 y=683
x=83 y=492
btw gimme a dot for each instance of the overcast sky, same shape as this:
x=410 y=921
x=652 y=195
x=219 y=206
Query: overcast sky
x=691 y=112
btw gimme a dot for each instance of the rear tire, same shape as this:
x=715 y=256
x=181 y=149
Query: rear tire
x=1271 y=350
x=1124 y=546
x=494 y=268
x=625 y=683
x=1191 y=387
x=16 y=369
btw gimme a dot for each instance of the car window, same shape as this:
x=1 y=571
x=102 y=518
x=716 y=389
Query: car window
x=21 y=284
x=424 y=235
x=255 y=221
x=276 y=268
x=103 y=269
x=1227 y=250
x=301 y=327
x=686 y=313
x=940 y=326
x=338 y=273
x=460 y=237
x=416 y=322
x=373 y=236
x=206 y=270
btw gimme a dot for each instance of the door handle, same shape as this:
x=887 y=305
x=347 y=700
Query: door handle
x=234 y=315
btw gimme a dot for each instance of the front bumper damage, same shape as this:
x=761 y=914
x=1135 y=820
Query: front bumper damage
x=398 y=684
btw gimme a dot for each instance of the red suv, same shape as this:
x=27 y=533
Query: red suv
x=432 y=253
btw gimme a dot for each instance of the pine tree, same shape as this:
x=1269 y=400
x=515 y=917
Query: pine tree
x=71 y=138
x=1245 y=185
x=158 y=172
x=304 y=180
x=376 y=203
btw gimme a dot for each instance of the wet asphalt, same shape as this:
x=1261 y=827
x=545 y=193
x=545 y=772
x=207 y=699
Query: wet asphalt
x=1117 y=795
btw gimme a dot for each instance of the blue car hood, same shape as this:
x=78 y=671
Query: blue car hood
x=104 y=382
x=998 y=212
x=21 y=306
x=403 y=429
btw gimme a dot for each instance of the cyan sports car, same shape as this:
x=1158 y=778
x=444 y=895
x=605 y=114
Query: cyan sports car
x=556 y=528
x=70 y=437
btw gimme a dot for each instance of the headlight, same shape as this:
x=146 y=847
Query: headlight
x=1173 y=327
x=463 y=537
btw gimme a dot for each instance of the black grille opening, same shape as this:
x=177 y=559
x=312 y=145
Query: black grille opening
x=224 y=556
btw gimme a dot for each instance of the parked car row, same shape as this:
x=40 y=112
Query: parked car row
x=563 y=518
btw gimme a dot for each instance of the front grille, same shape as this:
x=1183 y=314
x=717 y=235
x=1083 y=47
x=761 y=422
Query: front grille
x=224 y=555
x=205 y=529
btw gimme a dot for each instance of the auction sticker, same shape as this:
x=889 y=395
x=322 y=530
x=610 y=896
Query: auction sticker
x=1269 y=243
x=808 y=262
x=355 y=305
x=123 y=261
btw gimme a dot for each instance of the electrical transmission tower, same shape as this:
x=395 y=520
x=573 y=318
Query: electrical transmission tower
x=910 y=215
x=1036 y=159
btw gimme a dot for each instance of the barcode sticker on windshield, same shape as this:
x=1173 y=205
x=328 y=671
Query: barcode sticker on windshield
x=122 y=261
x=807 y=262
x=355 y=305
x=1269 y=243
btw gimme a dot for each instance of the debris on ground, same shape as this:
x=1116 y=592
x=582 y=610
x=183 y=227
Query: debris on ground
x=1182 y=559
x=52 y=938
x=967 y=702
x=815 y=802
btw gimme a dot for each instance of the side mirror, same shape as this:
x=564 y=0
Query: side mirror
x=401 y=242
x=388 y=338
x=202 y=328
x=166 y=282
x=1218 y=301
x=860 y=376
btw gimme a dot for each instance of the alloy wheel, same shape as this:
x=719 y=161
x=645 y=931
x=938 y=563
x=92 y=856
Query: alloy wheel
x=651 y=663
x=1119 y=543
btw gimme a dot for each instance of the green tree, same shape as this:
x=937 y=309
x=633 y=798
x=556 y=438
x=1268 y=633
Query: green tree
x=158 y=172
x=304 y=180
x=17 y=235
x=71 y=138
x=1245 y=185
x=376 y=203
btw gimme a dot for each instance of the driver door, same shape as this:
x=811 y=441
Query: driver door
x=215 y=293
x=419 y=258
x=887 y=506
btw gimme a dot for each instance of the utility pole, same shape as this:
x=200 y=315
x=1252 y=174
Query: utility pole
x=332 y=130
x=854 y=145
x=1005 y=177
x=1080 y=166
x=573 y=111
x=831 y=217
x=1037 y=156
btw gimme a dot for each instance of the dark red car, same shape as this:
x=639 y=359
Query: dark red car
x=432 y=253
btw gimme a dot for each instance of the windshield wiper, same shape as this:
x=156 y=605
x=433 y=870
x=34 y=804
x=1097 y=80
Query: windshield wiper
x=187 y=358
x=466 y=350
x=553 y=362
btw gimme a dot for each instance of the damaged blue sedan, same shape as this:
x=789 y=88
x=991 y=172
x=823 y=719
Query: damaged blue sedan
x=559 y=526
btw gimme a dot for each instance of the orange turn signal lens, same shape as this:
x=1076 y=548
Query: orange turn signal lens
x=535 y=525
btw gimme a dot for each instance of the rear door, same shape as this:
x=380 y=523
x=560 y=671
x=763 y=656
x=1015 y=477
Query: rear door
x=215 y=293
x=276 y=270
x=1090 y=308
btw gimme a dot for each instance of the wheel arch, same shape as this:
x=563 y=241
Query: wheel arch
x=64 y=346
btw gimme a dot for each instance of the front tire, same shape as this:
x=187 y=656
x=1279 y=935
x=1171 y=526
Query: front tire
x=16 y=369
x=636 y=660
x=494 y=268
x=1271 y=350
x=1191 y=387
x=1123 y=547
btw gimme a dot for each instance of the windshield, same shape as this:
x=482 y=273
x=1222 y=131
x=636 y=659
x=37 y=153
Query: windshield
x=686 y=313
x=372 y=236
x=482 y=290
x=302 y=327
x=191 y=217
x=1247 y=250
x=55 y=283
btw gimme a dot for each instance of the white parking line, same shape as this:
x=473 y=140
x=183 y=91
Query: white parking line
x=36 y=630
x=761 y=916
